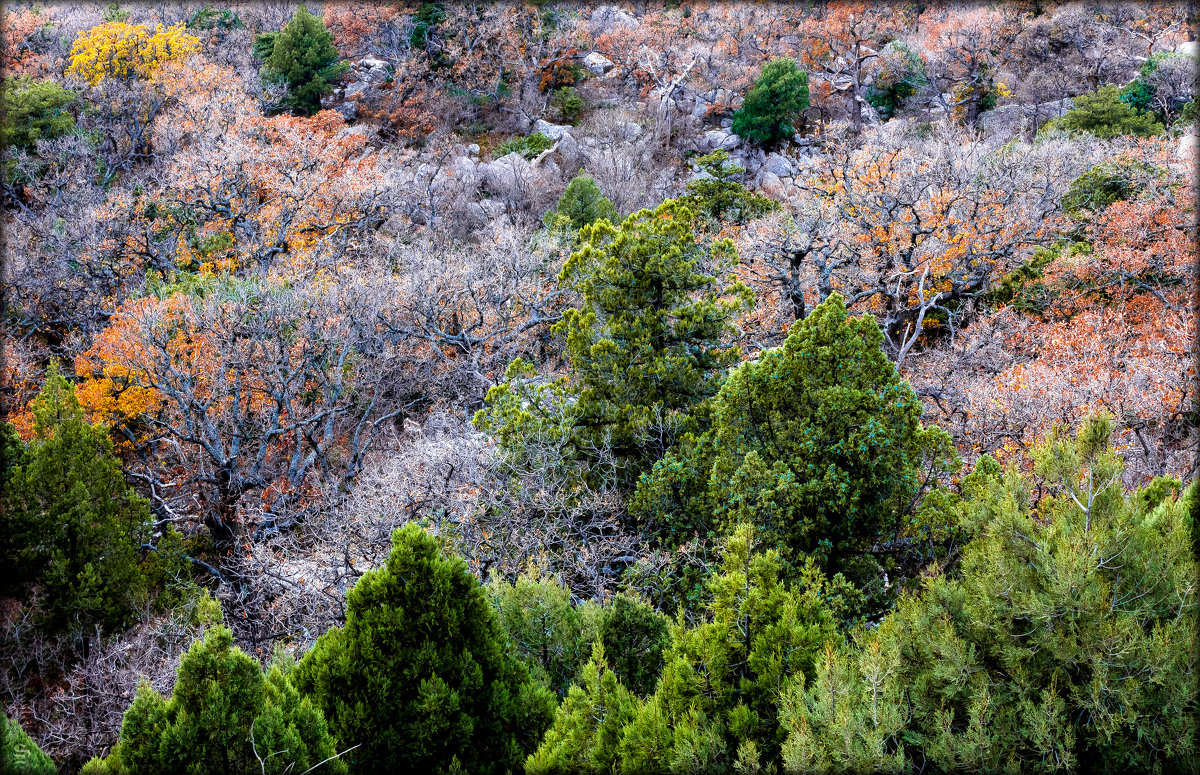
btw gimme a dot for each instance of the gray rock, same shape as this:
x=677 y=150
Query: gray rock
x=597 y=64
x=719 y=138
x=606 y=19
x=508 y=161
x=466 y=171
x=368 y=132
x=348 y=110
x=553 y=131
x=371 y=70
x=708 y=99
x=568 y=148
x=1185 y=151
x=504 y=171
x=487 y=209
x=1191 y=48
x=1006 y=120
x=749 y=163
x=355 y=89
x=753 y=160
x=473 y=149
x=770 y=184
x=778 y=165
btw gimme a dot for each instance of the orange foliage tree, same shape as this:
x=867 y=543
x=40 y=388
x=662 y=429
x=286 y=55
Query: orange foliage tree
x=361 y=28
x=19 y=56
x=235 y=387
x=249 y=192
x=914 y=231
x=844 y=40
x=1103 y=322
x=965 y=50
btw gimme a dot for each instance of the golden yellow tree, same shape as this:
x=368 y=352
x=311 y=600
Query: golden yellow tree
x=125 y=51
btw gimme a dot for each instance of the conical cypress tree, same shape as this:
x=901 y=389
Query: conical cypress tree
x=421 y=675
x=818 y=443
x=303 y=56
x=224 y=716
x=69 y=522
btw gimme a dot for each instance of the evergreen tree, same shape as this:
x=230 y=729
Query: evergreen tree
x=1103 y=114
x=555 y=638
x=224 y=716
x=421 y=676
x=818 y=443
x=634 y=637
x=70 y=523
x=548 y=633
x=720 y=682
x=1068 y=642
x=719 y=196
x=715 y=704
x=587 y=725
x=583 y=203
x=647 y=344
x=302 y=56
x=19 y=755
x=775 y=100
x=32 y=111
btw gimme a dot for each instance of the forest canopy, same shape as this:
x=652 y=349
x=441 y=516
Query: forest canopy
x=579 y=387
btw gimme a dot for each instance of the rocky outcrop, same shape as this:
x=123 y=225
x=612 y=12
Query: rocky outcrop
x=597 y=64
x=370 y=69
x=1186 y=151
x=718 y=138
x=553 y=131
x=1012 y=120
x=779 y=165
x=365 y=74
x=606 y=19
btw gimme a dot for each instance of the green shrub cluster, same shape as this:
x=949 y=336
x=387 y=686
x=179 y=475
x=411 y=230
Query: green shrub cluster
x=301 y=56
x=528 y=146
x=1106 y=115
x=772 y=105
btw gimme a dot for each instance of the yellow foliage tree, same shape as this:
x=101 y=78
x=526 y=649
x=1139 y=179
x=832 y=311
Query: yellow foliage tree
x=124 y=51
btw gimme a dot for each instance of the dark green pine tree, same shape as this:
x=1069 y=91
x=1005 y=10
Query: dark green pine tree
x=634 y=637
x=224 y=716
x=649 y=341
x=303 y=56
x=421 y=676
x=818 y=443
x=775 y=100
x=583 y=203
x=69 y=522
